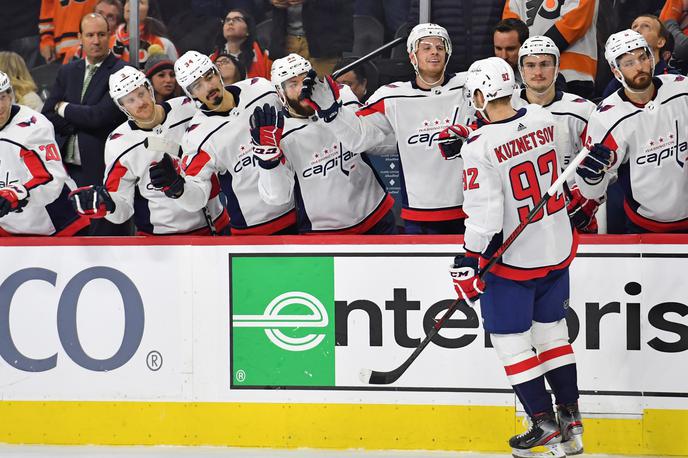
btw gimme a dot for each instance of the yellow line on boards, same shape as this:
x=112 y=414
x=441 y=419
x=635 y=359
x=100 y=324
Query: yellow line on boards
x=334 y=426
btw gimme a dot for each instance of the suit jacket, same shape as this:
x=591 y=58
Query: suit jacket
x=91 y=120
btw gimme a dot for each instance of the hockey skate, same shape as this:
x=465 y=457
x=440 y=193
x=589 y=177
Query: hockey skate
x=571 y=428
x=543 y=438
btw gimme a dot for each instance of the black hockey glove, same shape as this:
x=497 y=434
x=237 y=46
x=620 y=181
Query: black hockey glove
x=322 y=95
x=464 y=272
x=165 y=176
x=267 y=125
x=451 y=140
x=596 y=164
x=92 y=201
x=12 y=199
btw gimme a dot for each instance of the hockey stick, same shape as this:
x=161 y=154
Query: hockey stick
x=367 y=57
x=385 y=378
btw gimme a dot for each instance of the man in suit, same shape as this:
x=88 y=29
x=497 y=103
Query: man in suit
x=81 y=108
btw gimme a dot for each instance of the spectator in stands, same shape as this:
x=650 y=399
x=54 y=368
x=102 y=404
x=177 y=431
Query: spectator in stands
x=59 y=24
x=675 y=17
x=152 y=33
x=231 y=70
x=23 y=84
x=81 y=109
x=320 y=31
x=112 y=11
x=159 y=70
x=391 y=13
x=19 y=29
x=572 y=26
x=470 y=25
x=509 y=35
x=362 y=79
x=656 y=36
x=238 y=38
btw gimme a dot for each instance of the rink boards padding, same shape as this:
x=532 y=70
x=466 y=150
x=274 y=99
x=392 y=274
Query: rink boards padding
x=258 y=341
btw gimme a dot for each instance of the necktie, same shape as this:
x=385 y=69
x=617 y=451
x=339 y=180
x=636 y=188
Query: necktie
x=90 y=70
x=71 y=154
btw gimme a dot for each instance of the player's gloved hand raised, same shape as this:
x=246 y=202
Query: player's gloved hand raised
x=464 y=274
x=92 y=201
x=12 y=199
x=322 y=95
x=596 y=164
x=267 y=125
x=165 y=175
x=451 y=140
x=582 y=211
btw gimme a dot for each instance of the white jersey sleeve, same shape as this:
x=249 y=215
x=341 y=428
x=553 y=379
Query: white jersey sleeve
x=361 y=133
x=121 y=185
x=42 y=153
x=276 y=185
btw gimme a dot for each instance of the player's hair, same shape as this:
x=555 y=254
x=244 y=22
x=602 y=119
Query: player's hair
x=513 y=24
x=14 y=66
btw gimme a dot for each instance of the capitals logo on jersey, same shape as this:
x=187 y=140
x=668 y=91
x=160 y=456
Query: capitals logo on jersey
x=246 y=158
x=429 y=133
x=328 y=160
x=548 y=9
x=665 y=148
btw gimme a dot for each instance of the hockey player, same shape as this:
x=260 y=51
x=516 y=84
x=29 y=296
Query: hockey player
x=639 y=133
x=336 y=190
x=218 y=141
x=33 y=182
x=415 y=112
x=538 y=64
x=510 y=162
x=152 y=134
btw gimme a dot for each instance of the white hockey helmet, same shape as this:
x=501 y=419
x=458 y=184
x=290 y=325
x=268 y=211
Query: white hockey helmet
x=286 y=68
x=428 y=30
x=6 y=84
x=538 y=44
x=126 y=80
x=621 y=43
x=190 y=67
x=493 y=76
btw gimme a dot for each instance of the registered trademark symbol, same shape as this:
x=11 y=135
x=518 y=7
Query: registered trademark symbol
x=154 y=360
x=240 y=376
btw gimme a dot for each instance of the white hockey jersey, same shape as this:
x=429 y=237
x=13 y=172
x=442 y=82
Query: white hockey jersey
x=651 y=144
x=336 y=190
x=572 y=113
x=431 y=187
x=508 y=166
x=129 y=153
x=29 y=156
x=220 y=143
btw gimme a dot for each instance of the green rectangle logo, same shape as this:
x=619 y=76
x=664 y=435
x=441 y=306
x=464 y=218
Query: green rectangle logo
x=282 y=321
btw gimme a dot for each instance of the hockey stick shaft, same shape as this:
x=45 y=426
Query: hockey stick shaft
x=209 y=221
x=367 y=57
x=385 y=378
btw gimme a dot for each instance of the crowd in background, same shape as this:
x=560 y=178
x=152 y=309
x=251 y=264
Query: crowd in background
x=244 y=37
